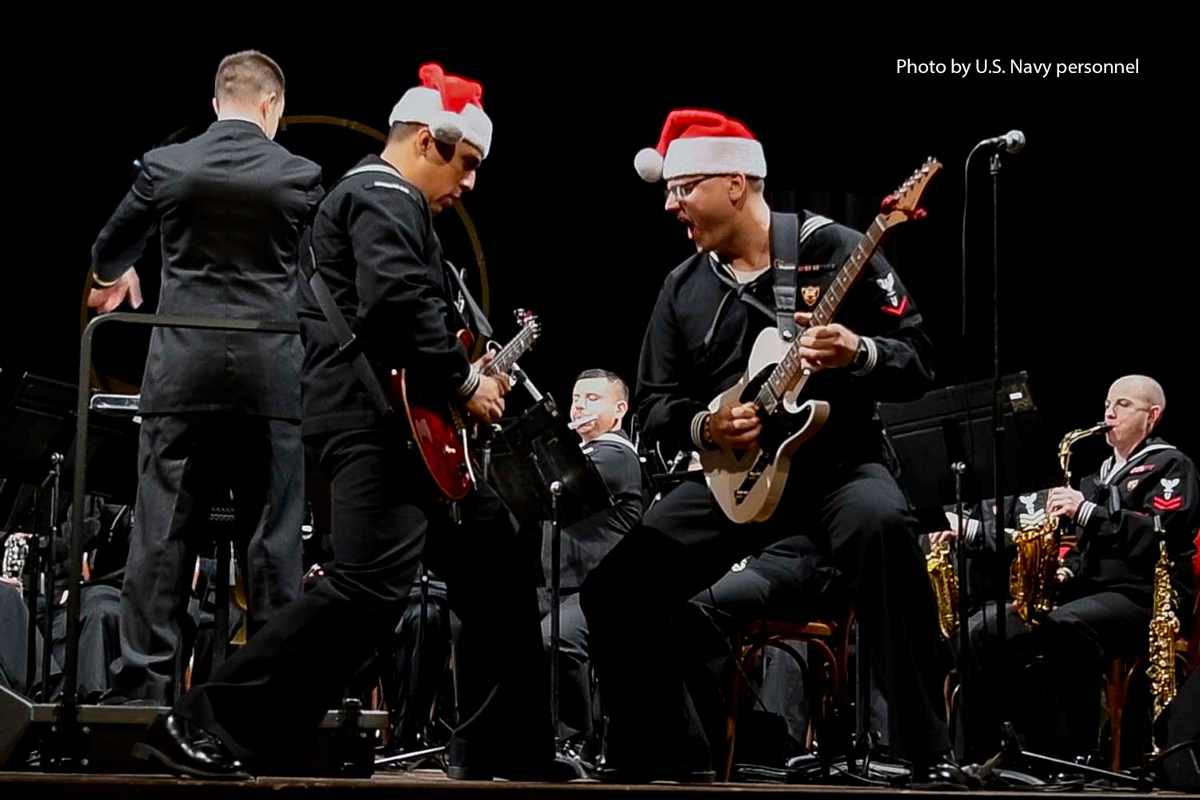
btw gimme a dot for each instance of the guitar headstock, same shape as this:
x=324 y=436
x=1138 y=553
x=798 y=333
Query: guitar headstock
x=528 y=320
x=904 y=204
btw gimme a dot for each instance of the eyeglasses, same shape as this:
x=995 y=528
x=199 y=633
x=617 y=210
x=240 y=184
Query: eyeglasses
x=681 y=190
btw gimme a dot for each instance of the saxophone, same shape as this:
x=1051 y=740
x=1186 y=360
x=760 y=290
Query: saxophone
x=945 y=587
x=1031 y=576
x=1164 y=625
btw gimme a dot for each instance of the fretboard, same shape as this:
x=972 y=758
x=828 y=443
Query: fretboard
x=509 y=354
x=788 y=369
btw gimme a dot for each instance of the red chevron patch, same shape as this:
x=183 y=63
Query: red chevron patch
x=898 y=310
x=1168 y=505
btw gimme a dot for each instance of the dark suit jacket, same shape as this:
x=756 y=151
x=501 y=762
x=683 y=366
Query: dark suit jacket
x=230 y=205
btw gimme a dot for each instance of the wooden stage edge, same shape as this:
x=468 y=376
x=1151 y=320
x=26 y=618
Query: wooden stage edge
x=421 y=784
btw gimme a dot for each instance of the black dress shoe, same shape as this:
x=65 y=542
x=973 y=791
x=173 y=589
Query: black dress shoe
x=559 y=770
x=188 y=749
x=942 y=774
x=651 y=774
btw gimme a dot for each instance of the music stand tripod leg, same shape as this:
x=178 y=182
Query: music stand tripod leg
x=48 y=566
x=556 y=490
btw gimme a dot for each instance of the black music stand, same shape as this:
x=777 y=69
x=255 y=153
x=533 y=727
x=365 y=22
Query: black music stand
x=542 y=474
x=946 y=452
x=34 y=433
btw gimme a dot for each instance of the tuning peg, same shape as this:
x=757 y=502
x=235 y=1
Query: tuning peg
x=920 y=213
x=889 y=202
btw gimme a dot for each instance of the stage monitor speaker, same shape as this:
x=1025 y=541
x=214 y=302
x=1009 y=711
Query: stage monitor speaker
x=342 y=745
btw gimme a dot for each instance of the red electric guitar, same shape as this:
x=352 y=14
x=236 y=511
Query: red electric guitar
x=441 y=430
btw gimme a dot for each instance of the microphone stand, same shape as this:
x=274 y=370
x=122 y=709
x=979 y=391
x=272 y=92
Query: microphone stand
x=1001 y=598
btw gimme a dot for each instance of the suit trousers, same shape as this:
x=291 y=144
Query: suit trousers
x=186 y=462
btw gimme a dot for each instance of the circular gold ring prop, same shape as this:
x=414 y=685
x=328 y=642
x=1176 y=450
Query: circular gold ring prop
x=111 y=384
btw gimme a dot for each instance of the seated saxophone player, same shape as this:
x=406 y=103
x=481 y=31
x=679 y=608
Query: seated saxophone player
x=1104 y=585
x=1022 y=512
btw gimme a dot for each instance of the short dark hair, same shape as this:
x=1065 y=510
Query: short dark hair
x=757 y=185
x=247 y=75
x=403 y=131
x=622 y=387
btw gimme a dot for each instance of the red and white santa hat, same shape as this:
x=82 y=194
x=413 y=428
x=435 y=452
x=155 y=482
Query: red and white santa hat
x=698 y=142
x=450 y=105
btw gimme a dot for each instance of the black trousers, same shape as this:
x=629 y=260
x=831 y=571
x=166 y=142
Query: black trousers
x=855 y=513
x=99 y=639
x=790 y=580
x=574 y=679
x=14 y=643
x=386 y=519
x=1047 y=682
x=183 y=461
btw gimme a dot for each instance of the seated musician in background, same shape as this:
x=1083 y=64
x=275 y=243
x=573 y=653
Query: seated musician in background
x=599 y=403
x=1104 y=590
x=1022 y=512
x=106 y=540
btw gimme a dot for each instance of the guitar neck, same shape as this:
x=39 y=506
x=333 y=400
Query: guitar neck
x=509 y=354
x=787 y=370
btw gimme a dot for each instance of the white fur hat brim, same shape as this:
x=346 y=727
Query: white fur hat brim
x=714 y=155
x=423 y=105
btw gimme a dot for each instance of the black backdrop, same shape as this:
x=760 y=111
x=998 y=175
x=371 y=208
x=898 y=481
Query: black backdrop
x=1094 y=282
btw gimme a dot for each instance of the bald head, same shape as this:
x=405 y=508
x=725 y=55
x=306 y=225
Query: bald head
x=1142 y=388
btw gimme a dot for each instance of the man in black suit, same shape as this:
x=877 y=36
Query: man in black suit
x=377 y=252
x=220 y=409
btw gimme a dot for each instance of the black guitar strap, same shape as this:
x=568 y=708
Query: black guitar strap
x=788 y=236
x=347 y=342
x=785 y=235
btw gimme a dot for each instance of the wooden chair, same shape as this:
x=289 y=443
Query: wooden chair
x=828 y=646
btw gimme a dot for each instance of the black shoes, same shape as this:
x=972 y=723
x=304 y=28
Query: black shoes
x=185 y=748
x=943 y=774
x=557 y=771
x=652 y=775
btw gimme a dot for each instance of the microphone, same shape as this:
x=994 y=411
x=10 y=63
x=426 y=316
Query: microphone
x=1012 y=141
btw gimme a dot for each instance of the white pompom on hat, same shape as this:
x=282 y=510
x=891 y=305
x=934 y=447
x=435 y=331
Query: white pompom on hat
x=451 y=106
x=699 y=142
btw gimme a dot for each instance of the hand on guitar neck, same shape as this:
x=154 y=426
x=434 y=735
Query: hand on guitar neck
x=826 y=346
x=487 y=404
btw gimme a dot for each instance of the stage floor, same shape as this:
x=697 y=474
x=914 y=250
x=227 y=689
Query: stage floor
x=420 y=784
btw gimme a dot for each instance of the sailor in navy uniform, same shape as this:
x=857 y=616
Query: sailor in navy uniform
x=599 y=403
x=1105 y=581
x=707 y=316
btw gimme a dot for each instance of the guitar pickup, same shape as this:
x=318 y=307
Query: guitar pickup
x=741 y=494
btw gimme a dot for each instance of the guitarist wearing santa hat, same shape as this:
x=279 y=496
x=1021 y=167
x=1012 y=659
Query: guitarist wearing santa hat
x=383 y=299
x=698 y=344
